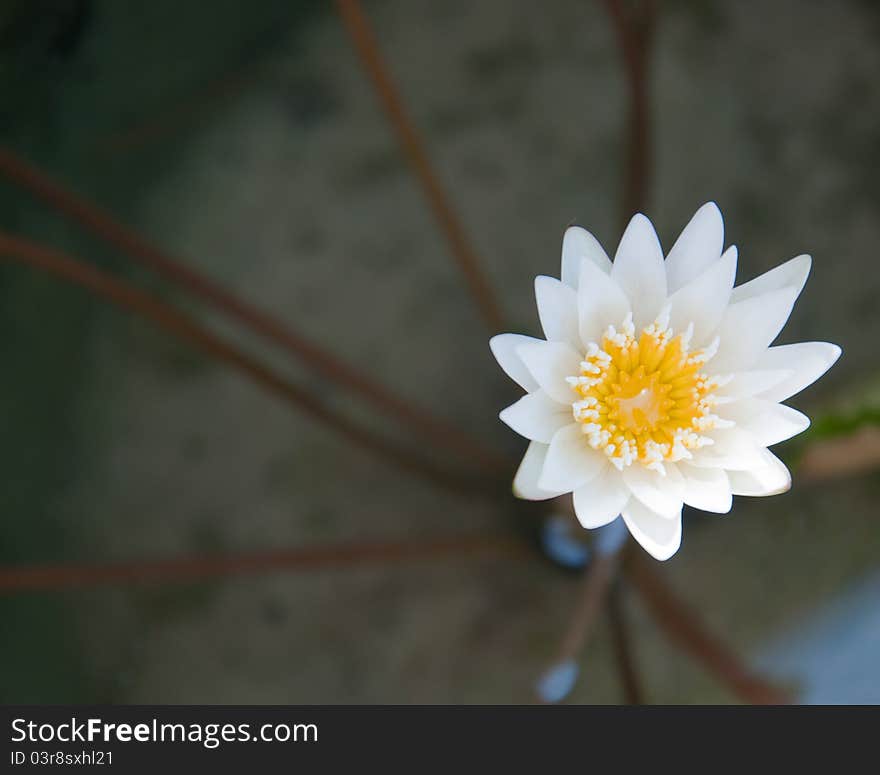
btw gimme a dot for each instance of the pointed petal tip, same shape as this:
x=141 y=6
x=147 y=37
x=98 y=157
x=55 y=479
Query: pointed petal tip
x=700 y=243
x=661 y=553
x=808 y=360
x=710 y=211
x=805 y=263
x=657 y=535
x=578 y=244
x=639 y=269
x=642 y=219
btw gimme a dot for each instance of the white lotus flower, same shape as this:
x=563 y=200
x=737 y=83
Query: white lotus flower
x=657 y=384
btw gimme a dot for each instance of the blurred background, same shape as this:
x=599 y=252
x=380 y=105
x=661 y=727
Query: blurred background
x=246 y=140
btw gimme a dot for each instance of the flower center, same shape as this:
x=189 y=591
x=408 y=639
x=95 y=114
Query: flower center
x=639 y=402
x=644 y=399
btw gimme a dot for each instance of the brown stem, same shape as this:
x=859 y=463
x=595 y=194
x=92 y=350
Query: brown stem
x=597 y=578
x=634 y=27
x=435 y=430
x=367 y=47
x=683 y=626
x=620 y=635
x=167 y=317
x=849 y=455
x=188 y=569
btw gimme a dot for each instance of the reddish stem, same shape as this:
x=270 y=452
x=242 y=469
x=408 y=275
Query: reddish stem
x=598 y=577
x=683 y=626
x=367 y=47
x=623 y=653
x=634 y=28
x=165 y=316
x=188 y=569
x=594 y=588
x=435 y=430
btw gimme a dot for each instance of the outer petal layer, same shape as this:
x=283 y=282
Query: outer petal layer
x=707 y=489
x=601 y=302
x=748 y=328
x=734 y=449
x=550 y=363
x=746 y=384
x=791 y=274
x=570 y=461
x=659 y=536
x=768 y=423
x=525 y=483
x=536 y=416
x=662 y=494
x=602 y=499
x=807 y=360
x=557 y=310
x=698 y=246
x=770 y=477
x=638 y=269
x=504 y=348
x=578 y=244
x=703 y=300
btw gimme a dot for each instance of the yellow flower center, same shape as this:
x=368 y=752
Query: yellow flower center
x=644 y=399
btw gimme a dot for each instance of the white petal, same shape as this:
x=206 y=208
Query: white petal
x=578 y=244
x=781 y=422
x=748 y=328
x=768 y=422
x=662 y=494
x=749 y=383
x=792 y=273
x=557 y=310
x=550 y=363
x=536 y=416
x=703 y=300
x=504 y=348
x=601 y=500
x=571 y=461
x=525 y=483
x=734 y=449
x=699 y=244
x=659 y=536
x=707 y=489
x=771 y=477
x=601 y=302
x=807 y=360
x=638 y=269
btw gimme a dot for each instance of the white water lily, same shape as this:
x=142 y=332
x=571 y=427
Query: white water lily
x=657 y=385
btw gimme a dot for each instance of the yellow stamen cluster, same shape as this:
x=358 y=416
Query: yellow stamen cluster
x=645 y=399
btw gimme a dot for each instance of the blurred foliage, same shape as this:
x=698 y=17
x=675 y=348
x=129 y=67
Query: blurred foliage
x=856 y=408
